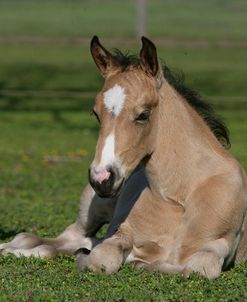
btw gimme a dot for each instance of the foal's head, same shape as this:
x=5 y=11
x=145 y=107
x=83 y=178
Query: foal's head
x=126 y=108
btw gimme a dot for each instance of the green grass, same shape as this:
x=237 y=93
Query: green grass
x=27 y=179
x=213 y=72
x=191 y=19
x=58 y=280
x=43 y=198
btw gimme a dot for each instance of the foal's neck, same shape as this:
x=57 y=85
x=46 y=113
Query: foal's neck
x=185 y=150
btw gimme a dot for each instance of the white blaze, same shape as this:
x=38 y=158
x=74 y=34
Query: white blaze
x=108 y=152
x=114 y=99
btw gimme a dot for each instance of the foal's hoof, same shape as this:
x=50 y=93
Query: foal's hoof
x=5 y=252
x=186 y=273
x=81 y=260
x=138 y=265
x=83 y=251
x=105 y=258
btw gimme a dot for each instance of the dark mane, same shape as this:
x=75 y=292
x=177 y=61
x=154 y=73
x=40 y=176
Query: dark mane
x=217 y=126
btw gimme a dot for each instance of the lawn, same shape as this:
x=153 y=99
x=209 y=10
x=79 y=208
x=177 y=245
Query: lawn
x=211 y=20
x=47 y=91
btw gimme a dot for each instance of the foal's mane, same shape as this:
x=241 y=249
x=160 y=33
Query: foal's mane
x=205 y=110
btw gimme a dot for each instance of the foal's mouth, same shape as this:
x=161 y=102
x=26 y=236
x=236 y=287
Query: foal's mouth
x=108 y=194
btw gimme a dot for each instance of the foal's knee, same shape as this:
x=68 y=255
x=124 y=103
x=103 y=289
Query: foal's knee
x=105 y=257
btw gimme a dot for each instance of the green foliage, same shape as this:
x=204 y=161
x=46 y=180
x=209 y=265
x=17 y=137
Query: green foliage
x=58 y=280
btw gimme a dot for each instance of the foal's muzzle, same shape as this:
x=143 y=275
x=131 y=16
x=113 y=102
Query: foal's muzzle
x=107 y=187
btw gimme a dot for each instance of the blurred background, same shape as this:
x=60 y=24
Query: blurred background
x=48 y=82
x=44 y=47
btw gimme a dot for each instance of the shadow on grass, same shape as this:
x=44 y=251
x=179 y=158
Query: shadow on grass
x=6 y=234
x=58 y=117
x=43 y=103
x=56 y=107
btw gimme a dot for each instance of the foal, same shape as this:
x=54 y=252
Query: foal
x=191 y=216
x=185 y=211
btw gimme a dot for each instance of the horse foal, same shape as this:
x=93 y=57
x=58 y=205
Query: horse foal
x=191 y=215
x=175 y=198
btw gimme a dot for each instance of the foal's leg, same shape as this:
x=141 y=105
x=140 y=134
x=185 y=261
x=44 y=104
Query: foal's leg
x=211 y=229
x=209 y=234
x=94 y=212
x=110 y=254
x=207 y=261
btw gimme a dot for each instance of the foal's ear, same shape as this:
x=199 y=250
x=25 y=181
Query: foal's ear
x=149 y=58
x=102 y=57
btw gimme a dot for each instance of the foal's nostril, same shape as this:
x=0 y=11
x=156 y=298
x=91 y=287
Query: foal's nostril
x=108 y=181
x=103 y=175
x=102 y=181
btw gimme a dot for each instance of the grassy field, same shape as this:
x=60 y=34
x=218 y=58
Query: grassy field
x=46 y=94
x=219 y=74
x=178 y=19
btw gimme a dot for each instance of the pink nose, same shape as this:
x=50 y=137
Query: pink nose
x=102 y=175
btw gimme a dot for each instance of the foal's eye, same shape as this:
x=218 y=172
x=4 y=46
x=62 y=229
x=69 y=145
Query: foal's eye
x=96 y=115
x=143 y=117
